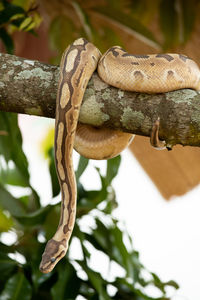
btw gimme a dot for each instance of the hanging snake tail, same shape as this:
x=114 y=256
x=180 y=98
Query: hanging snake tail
x=78 y=63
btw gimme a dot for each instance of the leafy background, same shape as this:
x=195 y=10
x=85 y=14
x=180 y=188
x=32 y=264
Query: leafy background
x=24 y=217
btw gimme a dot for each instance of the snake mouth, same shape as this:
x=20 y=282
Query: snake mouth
x=46 y=266
x=44 y=270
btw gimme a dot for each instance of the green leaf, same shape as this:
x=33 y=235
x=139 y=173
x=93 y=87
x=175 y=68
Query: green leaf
x=11 y=149
x=96 y=280
x=126 y=21
x=67 y=285
x=172 y=283
x=17 y=16
x=109 y=239
x=144 y=10
x=88 y=200
x=52 y=169
x=31 y=26
x=177 y=21
x=48 y=151
x=169 y=23
x=162 y=285
x=47 y=143
x=25 y=23
x=1 y=6
x=158 y=283
x=82 y=237
x=187 y=17
x=7 y=41
x=84 y=19
x=9 y=11
x=124 y=287
x=120 y=253
x=7 y=267
x=51 y=221
x=35 y=218
x=5 y=222
x=108 y=36
x=4 y=248
x=112 y=168
x=11 y=144
x=25 y=4
x=61 y=34
x=8 y=202
x=17 y=288
x=111 y=202
x=11 y=175
x=82 y=165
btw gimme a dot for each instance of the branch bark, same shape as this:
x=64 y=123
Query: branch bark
x=29 y=87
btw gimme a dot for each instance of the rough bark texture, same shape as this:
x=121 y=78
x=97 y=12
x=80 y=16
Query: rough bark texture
x=30 y=87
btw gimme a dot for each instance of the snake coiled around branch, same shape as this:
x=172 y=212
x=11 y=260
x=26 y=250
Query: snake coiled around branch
x=156 y=73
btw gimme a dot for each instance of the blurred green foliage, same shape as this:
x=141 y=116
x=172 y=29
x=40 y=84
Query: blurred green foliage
x=16 y=15
x=32 y=224
x=174 y=21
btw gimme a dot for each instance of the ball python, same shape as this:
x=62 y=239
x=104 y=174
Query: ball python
x=141 y=73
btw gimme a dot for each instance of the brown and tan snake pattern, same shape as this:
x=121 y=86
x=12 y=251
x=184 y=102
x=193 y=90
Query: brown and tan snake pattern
x=142 y=73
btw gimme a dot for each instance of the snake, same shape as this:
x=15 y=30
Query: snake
x=154 y=73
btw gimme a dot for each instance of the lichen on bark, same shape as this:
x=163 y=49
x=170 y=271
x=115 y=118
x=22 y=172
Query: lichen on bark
x=30 y=87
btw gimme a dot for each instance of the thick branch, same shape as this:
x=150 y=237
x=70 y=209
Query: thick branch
x=30 y=87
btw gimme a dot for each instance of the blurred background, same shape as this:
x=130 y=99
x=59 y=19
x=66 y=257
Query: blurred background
x=154 y=198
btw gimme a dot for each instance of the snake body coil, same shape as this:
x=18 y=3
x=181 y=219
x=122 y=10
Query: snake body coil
x=143 y=73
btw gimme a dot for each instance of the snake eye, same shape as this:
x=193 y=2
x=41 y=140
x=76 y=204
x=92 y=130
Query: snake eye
x=53 y=259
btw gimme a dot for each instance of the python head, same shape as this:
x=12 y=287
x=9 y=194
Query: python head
x=54 y=251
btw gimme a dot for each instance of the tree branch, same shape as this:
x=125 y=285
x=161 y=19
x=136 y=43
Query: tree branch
x=29 y=87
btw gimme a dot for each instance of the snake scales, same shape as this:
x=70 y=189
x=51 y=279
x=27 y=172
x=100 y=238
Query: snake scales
x=142 y=73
